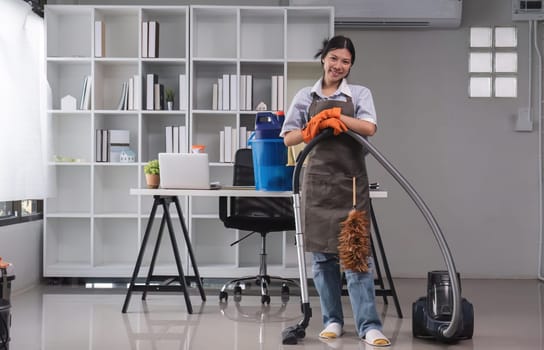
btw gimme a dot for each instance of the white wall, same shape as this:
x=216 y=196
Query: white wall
x=478 y=176
x=21 y=244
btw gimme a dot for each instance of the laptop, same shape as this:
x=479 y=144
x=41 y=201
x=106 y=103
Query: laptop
x=185 y=171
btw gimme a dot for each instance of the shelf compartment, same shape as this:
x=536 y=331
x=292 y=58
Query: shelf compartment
x=68 y=31
x=211 y=241
x=207 y=23
x=256 y=24
x=67 y=241
x=115 y=241
x=154 y=133
x=73 y=193
x=168 y=73
x=111 y=189
x=205 y=74
x=71 y=136
x=67 y=78
x=206 y=130
x=173 y=24
x=121 y=26
x=108 y=82
x=114 y=121
x=262 y=80
x=305 y=28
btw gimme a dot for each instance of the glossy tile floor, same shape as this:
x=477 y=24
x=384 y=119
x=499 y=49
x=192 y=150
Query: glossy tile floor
x=509 y=314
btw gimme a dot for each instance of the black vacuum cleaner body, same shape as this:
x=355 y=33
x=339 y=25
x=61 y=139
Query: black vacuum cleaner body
x=432 y=314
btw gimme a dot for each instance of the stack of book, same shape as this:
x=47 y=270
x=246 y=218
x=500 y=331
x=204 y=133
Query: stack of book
x=85 y=101
x=225 y=93
x=131 y=96
x=230 y=140
x=176 y=140
x=277 y=89
x=109 y=144
x=150 y=39
x=154 y=90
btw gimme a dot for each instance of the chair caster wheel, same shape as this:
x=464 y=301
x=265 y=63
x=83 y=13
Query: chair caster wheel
x=237 y=293
x=223 y=295
x=265 y=299
x=284 y=293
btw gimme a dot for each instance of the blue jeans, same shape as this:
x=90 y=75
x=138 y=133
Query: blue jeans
x=328 y=282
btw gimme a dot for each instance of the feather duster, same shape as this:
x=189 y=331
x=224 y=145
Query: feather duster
x=354 y=240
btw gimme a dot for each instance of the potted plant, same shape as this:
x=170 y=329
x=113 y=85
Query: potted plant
x=169 y=95
x=151 y=171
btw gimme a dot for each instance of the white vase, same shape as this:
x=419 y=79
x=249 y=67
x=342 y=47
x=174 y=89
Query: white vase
x=170 y=105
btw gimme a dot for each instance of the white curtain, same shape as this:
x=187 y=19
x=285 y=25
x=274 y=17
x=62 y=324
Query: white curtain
x=23 y=91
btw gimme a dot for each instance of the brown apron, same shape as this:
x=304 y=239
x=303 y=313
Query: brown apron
x=327 y=183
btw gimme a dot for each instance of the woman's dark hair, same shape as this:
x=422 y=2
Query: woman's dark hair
x=336 y=42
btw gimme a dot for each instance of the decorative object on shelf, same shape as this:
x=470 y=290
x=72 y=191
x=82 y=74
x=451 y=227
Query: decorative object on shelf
x=62 y=159
x=261 y=106
x=169 y=95
x=198 y=149
x=119 y=142
x=152 y=173
x=68 y=103
x=127 y=156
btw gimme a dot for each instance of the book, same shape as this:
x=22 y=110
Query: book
x=249 y=92
x=99 y=39
x=105 y=150
x=130 y=93
x=145 y=39
x=153 y=34
x=242 y=93
x=242 y=137
x=98 y=145
x=222 y=146
x=233 y=92
x=214 y=97
x=83 y=91
x=183 y=92
x=121 y=104
x=87 y=95
x=182 y=139
x=159 y=97
x=169 y=139
x=280 y=92
x=226 y=92
x=228 y=143
x=137 y=93
x=151 y=79
x=175 y=139
x=219 y=93
x=274 y=93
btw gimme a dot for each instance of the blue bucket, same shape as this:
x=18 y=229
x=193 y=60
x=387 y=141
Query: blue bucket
x=269 y=164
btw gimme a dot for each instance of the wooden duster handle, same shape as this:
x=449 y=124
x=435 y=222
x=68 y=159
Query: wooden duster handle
x=354 y=193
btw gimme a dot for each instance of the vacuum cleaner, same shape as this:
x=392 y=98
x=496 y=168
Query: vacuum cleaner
x=442 y=314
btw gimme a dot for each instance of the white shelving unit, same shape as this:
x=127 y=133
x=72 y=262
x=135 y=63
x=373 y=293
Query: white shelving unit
x=93 y=227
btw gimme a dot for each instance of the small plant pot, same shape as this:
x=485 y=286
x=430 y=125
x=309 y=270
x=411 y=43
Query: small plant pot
x=170 y=105
x=152 y=180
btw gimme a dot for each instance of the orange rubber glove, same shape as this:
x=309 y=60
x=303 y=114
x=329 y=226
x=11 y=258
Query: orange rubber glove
x=312 y=129
x=337 y=125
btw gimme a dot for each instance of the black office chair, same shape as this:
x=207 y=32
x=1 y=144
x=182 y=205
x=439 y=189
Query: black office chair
x=258 y=215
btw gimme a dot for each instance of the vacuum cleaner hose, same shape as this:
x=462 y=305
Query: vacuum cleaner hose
x=449 y=332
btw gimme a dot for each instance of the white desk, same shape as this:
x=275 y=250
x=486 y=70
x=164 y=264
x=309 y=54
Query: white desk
x=164 y=197
x=226 y=192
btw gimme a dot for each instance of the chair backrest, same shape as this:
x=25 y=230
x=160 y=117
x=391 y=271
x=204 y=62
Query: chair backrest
x=272 y=211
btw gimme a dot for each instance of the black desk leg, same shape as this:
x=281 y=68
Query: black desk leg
x=385 y=263
x=154 y=258
x=190 y=249
x=182 y=280
x=141 y=253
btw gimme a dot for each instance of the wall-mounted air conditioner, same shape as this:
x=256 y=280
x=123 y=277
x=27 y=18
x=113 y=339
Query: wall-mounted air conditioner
x=392 y=13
